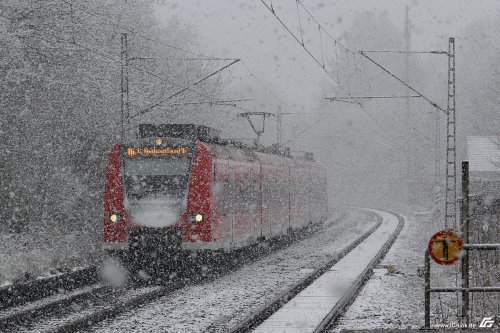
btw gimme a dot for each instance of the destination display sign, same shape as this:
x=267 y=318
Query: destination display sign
x=155 y=152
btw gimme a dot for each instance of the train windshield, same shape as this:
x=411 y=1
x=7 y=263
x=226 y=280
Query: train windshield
x=154 y=177
x=155 y=188
x=157 y=166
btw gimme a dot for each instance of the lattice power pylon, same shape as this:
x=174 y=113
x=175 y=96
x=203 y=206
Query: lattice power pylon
x=451 y=144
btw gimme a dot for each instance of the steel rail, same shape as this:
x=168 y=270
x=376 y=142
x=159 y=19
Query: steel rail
x=56 y=307
x=264 y=312
x=117 y=308
x=124 y=306
x=103 y=293
x=15 y=317
x=33 y=290
x=329 y=321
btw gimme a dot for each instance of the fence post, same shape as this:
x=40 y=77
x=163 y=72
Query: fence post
x=464 y=219
x=427 y=282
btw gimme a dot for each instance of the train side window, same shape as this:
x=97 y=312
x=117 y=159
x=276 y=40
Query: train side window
x=231 y=192
x=243 y=196
x=226 y=195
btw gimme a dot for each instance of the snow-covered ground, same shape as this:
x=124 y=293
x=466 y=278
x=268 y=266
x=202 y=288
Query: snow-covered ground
x=219 y=304
x=307 y=310
x=394 y=296
x=28 y=256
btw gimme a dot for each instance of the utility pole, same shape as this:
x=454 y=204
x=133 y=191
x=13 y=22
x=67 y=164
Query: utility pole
x=450 y=213
x=464 y=226
x=437 y=164
x=407 y=121
x=278 y=126
x=124 y=105
x=451 y=143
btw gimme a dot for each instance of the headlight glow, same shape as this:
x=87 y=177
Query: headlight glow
x=195 y=218
x=115 y=218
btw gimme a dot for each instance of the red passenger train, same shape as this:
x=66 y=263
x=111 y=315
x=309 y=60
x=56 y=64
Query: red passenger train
x=179 y=189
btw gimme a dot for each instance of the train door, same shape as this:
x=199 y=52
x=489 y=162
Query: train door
x=273 y=197
x=289 y=189
x=250 y=203
x=268 y=201
x=309 y=194
x=231 y=203
x=282 y=198
x=260 y=203
x=222 y=195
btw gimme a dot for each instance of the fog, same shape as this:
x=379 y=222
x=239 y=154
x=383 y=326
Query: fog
x=370 y=153
x=63 y=102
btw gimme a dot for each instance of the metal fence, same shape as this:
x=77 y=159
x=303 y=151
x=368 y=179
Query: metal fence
x=480 y=264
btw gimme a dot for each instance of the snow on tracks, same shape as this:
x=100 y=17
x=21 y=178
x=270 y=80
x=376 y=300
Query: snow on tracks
x=21 y=315
x=221 y=303
x=317 y=306
x=30 y=291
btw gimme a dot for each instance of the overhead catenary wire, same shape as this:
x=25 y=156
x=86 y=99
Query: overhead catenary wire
x=406 y=52
x=321 y=45
x=261 y=83
x=101 y=53
x=117 y=61
x=358 y=70
x=151 y=106
x=371 y=97
x=300 y=24
x=153 y=40
x=253 y=75
x=388 y=139
x=298 y=41
x=203 y=58
x=366 y=75
x=178 y=48
x=219 y=102
x=321 y=27
x=133 y=31
x=404 y=83
x=336 y=43
x=337 y=60
x=348 y=72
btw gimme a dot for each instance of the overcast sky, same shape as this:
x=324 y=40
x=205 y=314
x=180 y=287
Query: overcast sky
x=246 y=29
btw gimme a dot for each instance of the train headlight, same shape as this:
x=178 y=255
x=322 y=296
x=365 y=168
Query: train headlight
x=196 y=218
x=115 y=218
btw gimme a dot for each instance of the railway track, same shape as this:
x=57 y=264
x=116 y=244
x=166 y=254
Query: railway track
x=84 y=307
x=252 y=321
x=215 y=306
x=80 y=308
x=33 y=290
x=17 y=316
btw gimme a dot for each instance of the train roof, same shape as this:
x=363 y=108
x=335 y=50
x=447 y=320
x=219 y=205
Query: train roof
x=194 y=132
x=227 y=152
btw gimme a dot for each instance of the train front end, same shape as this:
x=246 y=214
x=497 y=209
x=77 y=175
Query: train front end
x=157 y=198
